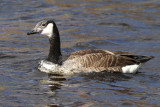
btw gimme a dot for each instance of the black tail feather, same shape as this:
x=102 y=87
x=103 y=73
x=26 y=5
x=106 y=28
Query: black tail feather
x=140 y=58
x=145 y=59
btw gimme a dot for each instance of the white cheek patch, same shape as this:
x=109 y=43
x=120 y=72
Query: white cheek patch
x=48 y=30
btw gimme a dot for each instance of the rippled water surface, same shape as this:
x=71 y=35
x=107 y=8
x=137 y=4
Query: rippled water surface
x=125 y=25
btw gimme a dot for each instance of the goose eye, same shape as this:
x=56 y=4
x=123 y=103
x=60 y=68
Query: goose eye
x=43 y=24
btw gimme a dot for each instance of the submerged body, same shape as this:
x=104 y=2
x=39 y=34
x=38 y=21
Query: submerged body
x=96 y=60
x=86 y=60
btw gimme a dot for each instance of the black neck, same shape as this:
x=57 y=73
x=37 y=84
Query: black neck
x=55 y=51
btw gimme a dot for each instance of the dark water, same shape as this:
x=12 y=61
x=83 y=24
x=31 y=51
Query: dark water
x=125 y=25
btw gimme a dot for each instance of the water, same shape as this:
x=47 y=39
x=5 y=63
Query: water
x=84 y=24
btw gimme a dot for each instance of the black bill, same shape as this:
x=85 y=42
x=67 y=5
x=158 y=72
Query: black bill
x=32 y=32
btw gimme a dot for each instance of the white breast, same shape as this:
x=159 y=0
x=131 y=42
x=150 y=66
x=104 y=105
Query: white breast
x=48 y=67
x=131 y=68
x=68 y=67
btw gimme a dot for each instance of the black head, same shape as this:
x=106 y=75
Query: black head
x=44 y=27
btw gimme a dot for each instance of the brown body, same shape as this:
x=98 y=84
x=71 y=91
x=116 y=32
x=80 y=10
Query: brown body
x=103 y=60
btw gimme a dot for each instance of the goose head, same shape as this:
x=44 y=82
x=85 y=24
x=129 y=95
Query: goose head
x=45 y=27
x=48 y=28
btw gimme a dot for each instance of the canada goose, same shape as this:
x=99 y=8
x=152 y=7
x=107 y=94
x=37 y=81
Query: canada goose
x=86 y=60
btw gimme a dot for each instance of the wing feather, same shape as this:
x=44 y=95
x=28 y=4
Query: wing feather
x=85 y=52
x=103 y=60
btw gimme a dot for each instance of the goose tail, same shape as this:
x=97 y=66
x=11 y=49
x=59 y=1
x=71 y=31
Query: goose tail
x=144 y=59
